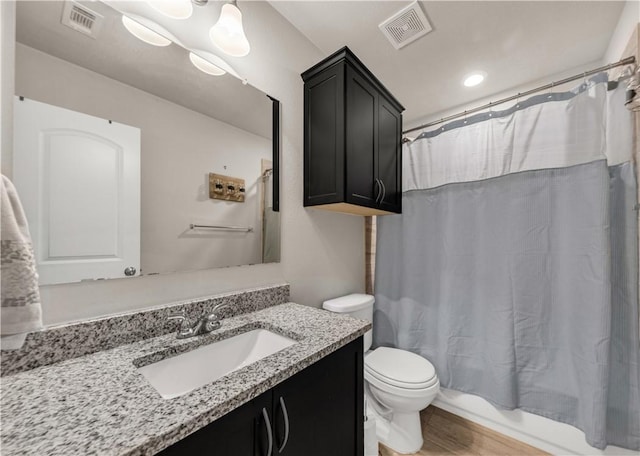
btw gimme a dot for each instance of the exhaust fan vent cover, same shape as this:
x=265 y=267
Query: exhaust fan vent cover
x=81 y=19
x=406 y=26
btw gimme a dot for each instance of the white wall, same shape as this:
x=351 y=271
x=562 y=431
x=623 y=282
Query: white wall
x=628 y=21
x=7 y=50
x=322 y=252
x=179 y=148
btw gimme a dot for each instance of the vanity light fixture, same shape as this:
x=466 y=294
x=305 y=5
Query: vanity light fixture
x=228 y=34
x=475 y=78
x=144 y=33
x=175 y=9
x=205 y=66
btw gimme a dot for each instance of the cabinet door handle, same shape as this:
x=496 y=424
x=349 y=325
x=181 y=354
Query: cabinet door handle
x=286 y=425
x=267 y=424
x=384 y=191
x=378 y=190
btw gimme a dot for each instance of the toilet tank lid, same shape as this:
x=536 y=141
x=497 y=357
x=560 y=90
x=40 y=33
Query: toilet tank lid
x=349 y=303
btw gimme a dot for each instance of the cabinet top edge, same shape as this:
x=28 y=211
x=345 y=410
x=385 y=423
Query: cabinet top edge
x=347 y=55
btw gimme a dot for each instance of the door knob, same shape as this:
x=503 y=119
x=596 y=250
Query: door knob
x=130 y=271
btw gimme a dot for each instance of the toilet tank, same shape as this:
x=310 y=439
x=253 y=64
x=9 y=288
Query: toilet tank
x=355 y=305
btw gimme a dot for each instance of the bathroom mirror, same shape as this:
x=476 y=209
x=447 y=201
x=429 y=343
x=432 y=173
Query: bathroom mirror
x=131 y=161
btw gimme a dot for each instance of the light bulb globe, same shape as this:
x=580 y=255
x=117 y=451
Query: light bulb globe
x=175 y=9
x=205 y=66
x=144 y=33
x=228 y=34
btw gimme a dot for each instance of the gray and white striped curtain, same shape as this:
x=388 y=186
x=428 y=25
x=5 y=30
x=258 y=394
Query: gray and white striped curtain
x=514 y=265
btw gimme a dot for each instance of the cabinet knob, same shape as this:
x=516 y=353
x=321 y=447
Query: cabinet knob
x=130 y=271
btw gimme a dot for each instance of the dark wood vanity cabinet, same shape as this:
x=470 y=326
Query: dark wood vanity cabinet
x=352 y=139
x=317 y=412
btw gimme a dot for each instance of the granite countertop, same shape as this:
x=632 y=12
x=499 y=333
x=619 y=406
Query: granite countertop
x=100 y=404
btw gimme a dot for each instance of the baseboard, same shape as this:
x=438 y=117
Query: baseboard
x=548 y=435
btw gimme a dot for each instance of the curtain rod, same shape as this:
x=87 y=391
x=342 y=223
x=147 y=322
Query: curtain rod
x=627 y=61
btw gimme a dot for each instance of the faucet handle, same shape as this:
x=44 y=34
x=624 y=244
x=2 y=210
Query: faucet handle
x=180 y=316
x=185 y=329
x=212 y=321
x=215 y=310
x=177 y=316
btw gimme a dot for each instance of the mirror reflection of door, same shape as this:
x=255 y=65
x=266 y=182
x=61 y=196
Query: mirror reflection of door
x=79 y=179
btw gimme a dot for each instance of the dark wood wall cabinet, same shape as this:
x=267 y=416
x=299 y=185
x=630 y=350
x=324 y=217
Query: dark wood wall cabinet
x=352 y=139
x=317 y=412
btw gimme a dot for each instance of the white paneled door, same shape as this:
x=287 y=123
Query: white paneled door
x=78 y=177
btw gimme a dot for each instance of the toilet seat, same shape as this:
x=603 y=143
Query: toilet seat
x=399 y=368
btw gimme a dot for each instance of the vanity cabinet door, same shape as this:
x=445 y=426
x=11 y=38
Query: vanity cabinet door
x=323 y=405
x=242 y=432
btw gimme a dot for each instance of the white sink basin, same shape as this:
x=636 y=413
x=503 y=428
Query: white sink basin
x=183 y=373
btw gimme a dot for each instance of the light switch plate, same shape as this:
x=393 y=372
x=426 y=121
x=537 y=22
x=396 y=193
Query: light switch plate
x=226 y=188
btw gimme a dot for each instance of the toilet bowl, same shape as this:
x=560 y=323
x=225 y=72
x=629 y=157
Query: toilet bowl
x=398 y=383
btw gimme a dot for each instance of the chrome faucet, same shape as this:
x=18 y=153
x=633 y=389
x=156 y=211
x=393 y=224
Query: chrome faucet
x=203 y=325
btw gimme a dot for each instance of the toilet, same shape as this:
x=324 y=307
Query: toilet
x=398 y=383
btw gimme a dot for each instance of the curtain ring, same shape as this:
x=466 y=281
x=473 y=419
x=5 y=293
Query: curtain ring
x=465 y=117
x=490 y=111
x=518 y=100
x=442 y=122
x=551 y=91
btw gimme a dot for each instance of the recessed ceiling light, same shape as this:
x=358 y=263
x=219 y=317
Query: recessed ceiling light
x=144 y=33
x=474 y=78
x=205 y=66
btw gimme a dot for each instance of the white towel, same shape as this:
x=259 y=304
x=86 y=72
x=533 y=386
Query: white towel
x=20 y=310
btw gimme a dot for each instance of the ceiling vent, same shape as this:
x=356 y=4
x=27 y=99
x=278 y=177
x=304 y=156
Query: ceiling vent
x=406 y=26
x=81 y=19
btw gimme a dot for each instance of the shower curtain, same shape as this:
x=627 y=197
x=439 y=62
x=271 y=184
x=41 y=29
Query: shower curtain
x=514 y=265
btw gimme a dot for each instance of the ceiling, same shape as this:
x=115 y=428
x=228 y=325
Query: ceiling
x=514 y=42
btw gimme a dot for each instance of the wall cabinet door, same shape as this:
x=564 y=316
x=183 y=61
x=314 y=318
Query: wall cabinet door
x=389 y=155
x=362 y=141
x=324 y=120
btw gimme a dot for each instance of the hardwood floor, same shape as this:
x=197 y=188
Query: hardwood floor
x=448 y=434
